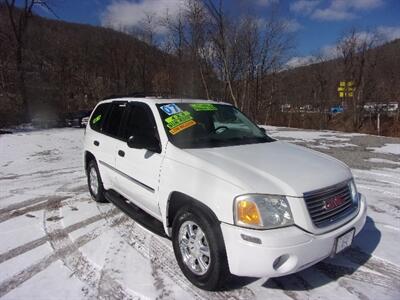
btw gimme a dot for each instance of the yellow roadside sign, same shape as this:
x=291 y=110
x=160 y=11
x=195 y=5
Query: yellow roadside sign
x=346 y=89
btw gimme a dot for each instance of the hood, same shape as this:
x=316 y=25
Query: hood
x=271 y=168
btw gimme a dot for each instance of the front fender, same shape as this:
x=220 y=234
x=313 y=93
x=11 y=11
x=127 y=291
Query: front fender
x=214 y=192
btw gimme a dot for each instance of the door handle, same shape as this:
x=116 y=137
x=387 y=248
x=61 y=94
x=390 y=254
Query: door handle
x=121 y=153
x=96 y=143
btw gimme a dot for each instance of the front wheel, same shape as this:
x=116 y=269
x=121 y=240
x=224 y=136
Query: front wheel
x=95 y=184
x=199 y=248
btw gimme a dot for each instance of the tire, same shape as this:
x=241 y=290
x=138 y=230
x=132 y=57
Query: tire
x=213 y=276
x=92 y=172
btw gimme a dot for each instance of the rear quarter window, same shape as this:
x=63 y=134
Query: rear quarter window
x=98 y=116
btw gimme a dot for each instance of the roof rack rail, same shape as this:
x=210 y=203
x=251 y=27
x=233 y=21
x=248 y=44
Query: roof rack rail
x=144 y=95
x=134 y=95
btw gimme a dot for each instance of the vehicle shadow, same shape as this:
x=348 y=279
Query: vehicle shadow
x=344 y=264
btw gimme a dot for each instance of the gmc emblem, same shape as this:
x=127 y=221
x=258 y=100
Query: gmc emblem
x=333 y=202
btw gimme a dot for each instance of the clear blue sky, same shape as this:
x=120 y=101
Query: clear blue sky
x=315 y=23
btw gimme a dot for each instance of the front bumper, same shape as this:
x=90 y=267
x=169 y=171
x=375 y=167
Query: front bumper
x=281 y=251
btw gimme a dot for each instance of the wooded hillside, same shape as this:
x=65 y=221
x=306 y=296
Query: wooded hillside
x=62 y=67
x=70 y=67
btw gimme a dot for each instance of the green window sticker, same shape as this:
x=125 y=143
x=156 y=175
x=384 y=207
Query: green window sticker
x=203 y=107
x=178 y=119
x=95 y=120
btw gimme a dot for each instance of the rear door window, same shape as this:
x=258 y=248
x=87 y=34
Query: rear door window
x=114 y=119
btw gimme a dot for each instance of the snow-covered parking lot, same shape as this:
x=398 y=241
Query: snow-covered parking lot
x=56 y=243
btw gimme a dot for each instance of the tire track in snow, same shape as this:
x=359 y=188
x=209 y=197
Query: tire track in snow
x=165 y=293
x=27 y=190
x=59 y=239
x=26 y=274
x=375 y=264
x=78 y=263
x=44 y=174
x=378 y=174
x=162 y=258
x=40 y=241
x=107 y=286
x=380 y=191
x=352 y=290
x=139 y=240
x=81 y=188
x=35 y=185
x=31 y=208
x=23 y=204
x=339 y=271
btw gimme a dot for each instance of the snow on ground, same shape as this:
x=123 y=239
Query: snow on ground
x=382 y=160
x=388 y=148
x=56 y=243
x=310 y=135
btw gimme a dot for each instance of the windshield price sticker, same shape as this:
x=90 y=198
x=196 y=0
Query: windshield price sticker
x=95 y=120
x=203 y=107
x=181 y=127
x=171 y=109
x=178 y=119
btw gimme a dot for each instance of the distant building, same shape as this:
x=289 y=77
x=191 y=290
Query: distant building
x=375 y=107
x=286 y=107
x=370 y=106
x=393 y=106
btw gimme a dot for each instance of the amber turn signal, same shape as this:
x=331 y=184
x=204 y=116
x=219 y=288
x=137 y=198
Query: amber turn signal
x=247 y=213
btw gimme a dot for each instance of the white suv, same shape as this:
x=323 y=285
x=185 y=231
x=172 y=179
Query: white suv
x=232 y=199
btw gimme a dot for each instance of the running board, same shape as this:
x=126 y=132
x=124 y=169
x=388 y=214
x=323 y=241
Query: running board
x=135 y=213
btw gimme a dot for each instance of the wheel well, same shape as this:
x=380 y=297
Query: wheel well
x=88 y=157
x=177 y=200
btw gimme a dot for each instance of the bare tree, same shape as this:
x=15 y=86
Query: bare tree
x=19 y=19
x=238 y=52
x=6 y=57
x=224 y=42
x=197 y=26
x=358 y=62
x=146 y=29
x=176 y=26
x=320 y=76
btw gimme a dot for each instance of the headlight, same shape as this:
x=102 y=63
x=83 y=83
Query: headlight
x=353 y=191
x=262 y=211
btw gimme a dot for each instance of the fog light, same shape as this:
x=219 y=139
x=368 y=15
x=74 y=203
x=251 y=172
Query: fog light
x=280 y=261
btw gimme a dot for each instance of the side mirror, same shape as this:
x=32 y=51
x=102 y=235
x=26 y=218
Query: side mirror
x=144 y=142
x=263 y=130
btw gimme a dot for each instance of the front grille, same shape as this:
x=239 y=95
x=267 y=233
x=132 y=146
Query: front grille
x=329 y=205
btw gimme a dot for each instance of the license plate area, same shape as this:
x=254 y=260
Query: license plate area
x=343 y=241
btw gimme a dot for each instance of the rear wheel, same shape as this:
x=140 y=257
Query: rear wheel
x=95 y=184
x=199 y=248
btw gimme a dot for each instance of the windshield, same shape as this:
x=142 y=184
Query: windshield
x=206 y=125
